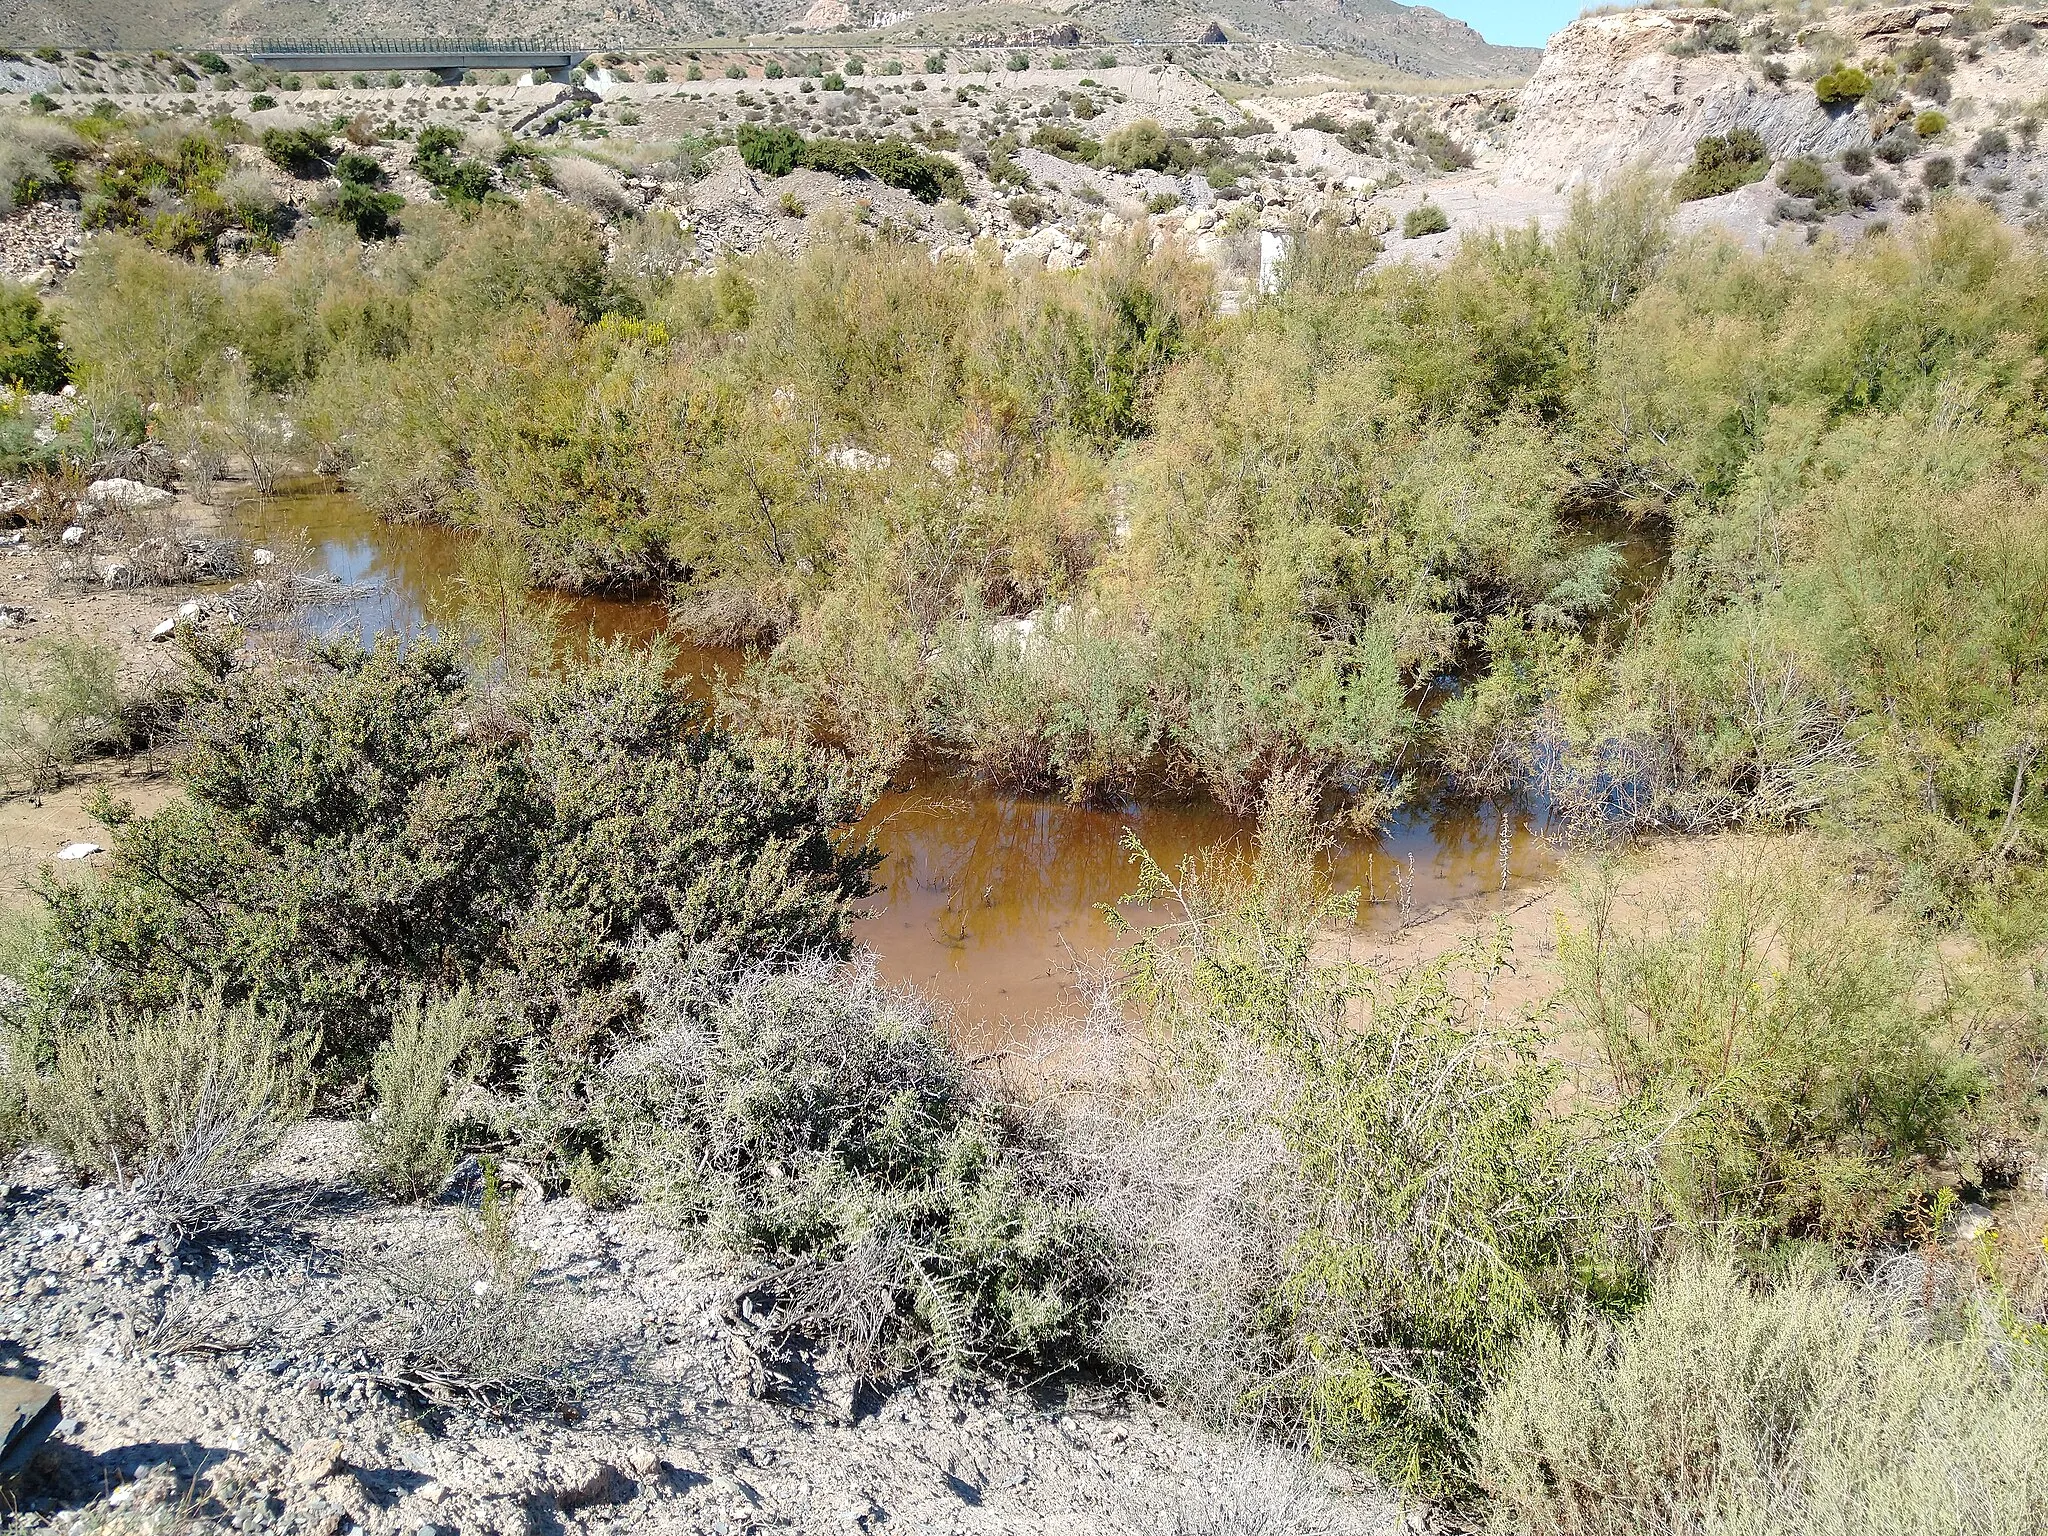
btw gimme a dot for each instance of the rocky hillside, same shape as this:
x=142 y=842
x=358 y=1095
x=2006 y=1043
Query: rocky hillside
x=1414 y=39
x=1642 y=87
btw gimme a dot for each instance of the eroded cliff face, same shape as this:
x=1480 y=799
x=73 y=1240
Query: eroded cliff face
x=1611 y=94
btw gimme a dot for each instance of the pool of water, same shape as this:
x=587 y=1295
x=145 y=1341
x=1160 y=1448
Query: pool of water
x=991 y=902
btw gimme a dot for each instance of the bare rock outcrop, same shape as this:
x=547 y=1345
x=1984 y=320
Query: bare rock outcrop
x=1611 y=94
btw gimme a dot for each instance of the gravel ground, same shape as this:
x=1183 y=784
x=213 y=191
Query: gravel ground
x=265 y=1382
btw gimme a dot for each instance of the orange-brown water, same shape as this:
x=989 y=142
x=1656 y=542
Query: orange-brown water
x=990 y=902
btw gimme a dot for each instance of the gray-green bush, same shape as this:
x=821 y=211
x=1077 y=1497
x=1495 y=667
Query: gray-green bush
x=175 y=1106
x=812 y=1119
x=417 y=1080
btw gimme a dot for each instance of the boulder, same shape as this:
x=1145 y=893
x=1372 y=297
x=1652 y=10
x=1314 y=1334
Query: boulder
x=125 y=496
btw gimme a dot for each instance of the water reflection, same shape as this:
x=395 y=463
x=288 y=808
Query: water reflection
x=991 y=902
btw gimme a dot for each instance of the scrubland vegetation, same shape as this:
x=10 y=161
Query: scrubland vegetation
x=1678 y=538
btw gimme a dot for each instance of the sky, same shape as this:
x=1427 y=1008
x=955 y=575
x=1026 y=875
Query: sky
x=1524 y=23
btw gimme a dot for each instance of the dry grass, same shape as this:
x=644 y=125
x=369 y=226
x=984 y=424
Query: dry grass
x=1720 y=1409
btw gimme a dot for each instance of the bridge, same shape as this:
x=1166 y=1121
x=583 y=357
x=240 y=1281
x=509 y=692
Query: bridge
x=448 y=58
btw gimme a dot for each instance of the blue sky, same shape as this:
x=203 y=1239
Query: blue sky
x=1522 y=22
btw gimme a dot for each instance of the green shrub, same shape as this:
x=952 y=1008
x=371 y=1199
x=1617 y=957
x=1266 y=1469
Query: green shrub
x=1058 y=139
x=1365 y=1199
x=1721 y=1407
x=300 y=151
x=60 y=701
x=1939 y=172
x=1722 y=163
x=1424 y=219
x=735 y=72
x=1802 y=178
x=813 y=1119
x=178 y=1106
x=416 y=1079
x=1841 y=87
x=771 y=151
x=528 y=851
x=1931 y=124
x=262 y=101
x=31 y=355
x=1139 y=146
x=833 y=81
x=1777 y=1026
x=657 y=74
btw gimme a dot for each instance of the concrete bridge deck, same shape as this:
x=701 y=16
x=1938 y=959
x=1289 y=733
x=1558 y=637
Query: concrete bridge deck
x=450 y=58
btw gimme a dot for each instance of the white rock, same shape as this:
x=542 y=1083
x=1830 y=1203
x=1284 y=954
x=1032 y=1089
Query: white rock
x=79 y=850
x=74 y=535
x=125 y=495
x=261 y=556
x=165 y=630
x=188 y=610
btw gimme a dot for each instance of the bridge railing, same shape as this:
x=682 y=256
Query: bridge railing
x=411 y=45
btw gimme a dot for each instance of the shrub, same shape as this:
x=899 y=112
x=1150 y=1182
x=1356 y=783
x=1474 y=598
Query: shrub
x=300 y=151
x=1139 y=146
x=893 y=161
x=60 y=701
x=1424 y=219
x=735 y=72
x=1722 y=163
x=176 y=1108
x=1028 y=211
x=1722 y=1407
x=211 y=62
x=817 y=1120
x=262 y=101
x=657 y=74
x=1931 y=124
x=591 y=186
x=773 y=70
x=416 y=1079
x=529 y=851
x=31 y=355
x=1937 y=173
x=1991 y=144
x=1841 y=87
x=833 y=81
x=1360 y=1200
x=1017 y=62
x=471 y=1329
x=1777 y=1025
x=1857 y=162
x=1803 y=178
x=361 y=202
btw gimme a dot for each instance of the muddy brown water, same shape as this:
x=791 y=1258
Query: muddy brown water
x=990 y=902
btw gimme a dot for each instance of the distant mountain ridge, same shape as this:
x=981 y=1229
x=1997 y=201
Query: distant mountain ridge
x=1415 y=39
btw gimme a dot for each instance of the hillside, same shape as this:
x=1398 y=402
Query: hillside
x=1414 y=39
